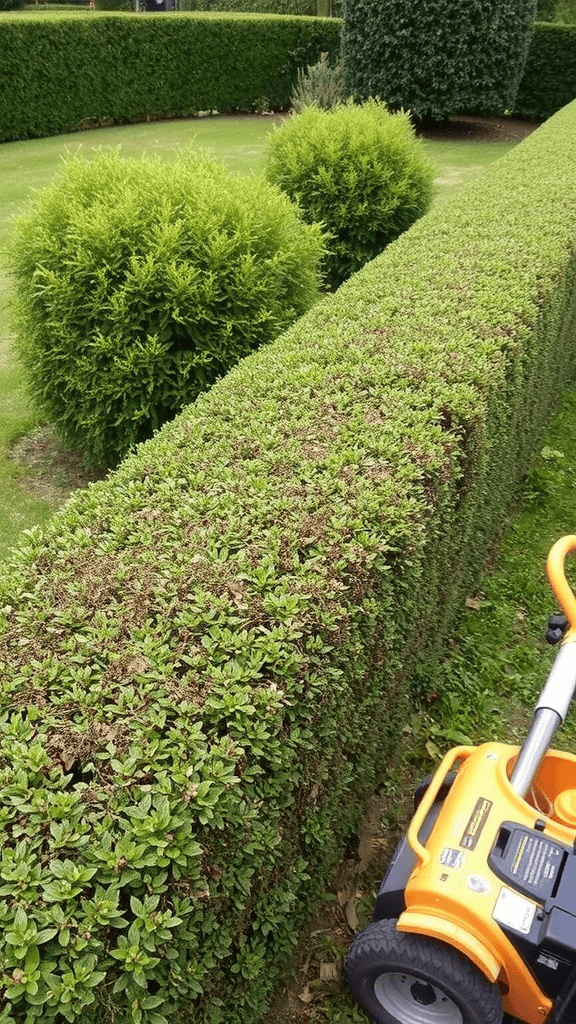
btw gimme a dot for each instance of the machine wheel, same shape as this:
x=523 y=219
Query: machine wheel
x=442 y=792
x=400 y=978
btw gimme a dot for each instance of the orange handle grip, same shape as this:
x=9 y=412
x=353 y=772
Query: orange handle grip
x=428 y=799
x=558 y=581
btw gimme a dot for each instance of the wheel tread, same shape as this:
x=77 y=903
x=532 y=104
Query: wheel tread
x=380 y=941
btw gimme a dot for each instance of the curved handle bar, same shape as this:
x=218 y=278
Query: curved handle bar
x=428 y=799
x=558 y=581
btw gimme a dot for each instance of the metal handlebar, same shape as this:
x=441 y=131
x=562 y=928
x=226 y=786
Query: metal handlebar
x=554 y=701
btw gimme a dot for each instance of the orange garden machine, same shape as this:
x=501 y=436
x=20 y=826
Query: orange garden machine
x=476 y=914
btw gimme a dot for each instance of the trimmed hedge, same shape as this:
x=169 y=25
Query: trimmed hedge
x=206 y=661
x=419 y=56
x=308 y=8
x=62 y=74
x=549 y=80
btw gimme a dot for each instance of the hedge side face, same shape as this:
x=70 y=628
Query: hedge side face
x=436 y=58
x=118 y=68
x=208 y=658
x=60 y=75
x=138 y=284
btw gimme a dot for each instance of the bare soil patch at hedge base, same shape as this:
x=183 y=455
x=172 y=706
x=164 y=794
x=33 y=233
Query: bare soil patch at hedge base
x=479 y=129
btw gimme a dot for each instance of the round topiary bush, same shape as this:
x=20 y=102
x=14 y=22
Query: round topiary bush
x=359 y=170
x=140 y=283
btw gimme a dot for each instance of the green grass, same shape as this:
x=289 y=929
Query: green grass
x=31 y=164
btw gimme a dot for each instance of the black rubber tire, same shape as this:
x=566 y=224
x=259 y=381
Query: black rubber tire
x=400 y=978
x=442 y=792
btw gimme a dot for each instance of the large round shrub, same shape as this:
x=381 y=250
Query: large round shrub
x=359 y=170
x=140 y=283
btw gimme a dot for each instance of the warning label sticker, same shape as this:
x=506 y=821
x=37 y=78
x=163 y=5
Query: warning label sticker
x=451 y=858
x=514 y=911
x=476 y=823
x=536 y=863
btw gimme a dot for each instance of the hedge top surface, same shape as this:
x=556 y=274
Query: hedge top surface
x=327 y=441
x=172 y=15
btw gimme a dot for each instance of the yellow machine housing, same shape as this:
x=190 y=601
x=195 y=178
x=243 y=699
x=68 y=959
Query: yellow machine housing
x=485 y=878
x=454 y=895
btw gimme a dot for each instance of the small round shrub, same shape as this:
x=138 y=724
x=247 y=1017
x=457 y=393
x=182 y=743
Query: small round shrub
x=359 y=170
x=140 y=283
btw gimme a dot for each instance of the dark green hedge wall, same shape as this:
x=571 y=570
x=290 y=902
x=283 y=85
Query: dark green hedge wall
x=436 y=58
x=208 y=657
x=65 y=74
x=58 y=75
x=297 y=7
x=549 y=80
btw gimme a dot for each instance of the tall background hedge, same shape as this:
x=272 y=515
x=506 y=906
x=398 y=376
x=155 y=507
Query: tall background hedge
x=436 y=58
x=71 y=73
x=207 y=658
x=307 y=8
x=58 y=75
x=549 y=79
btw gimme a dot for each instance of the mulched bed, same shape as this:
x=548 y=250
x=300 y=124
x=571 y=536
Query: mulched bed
x=462 y=128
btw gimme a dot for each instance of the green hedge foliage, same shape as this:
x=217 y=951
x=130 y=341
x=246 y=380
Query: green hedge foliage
x=306 y=8
x=58 y=75
x=565 y=11
x=298 y=7
x=549 y=80
x=115 y=5
x=359 y=170
x=206 y=660
x=139 y=283
x=420 y=57
x=132 y=68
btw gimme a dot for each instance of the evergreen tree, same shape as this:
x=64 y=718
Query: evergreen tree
x=437 y=57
